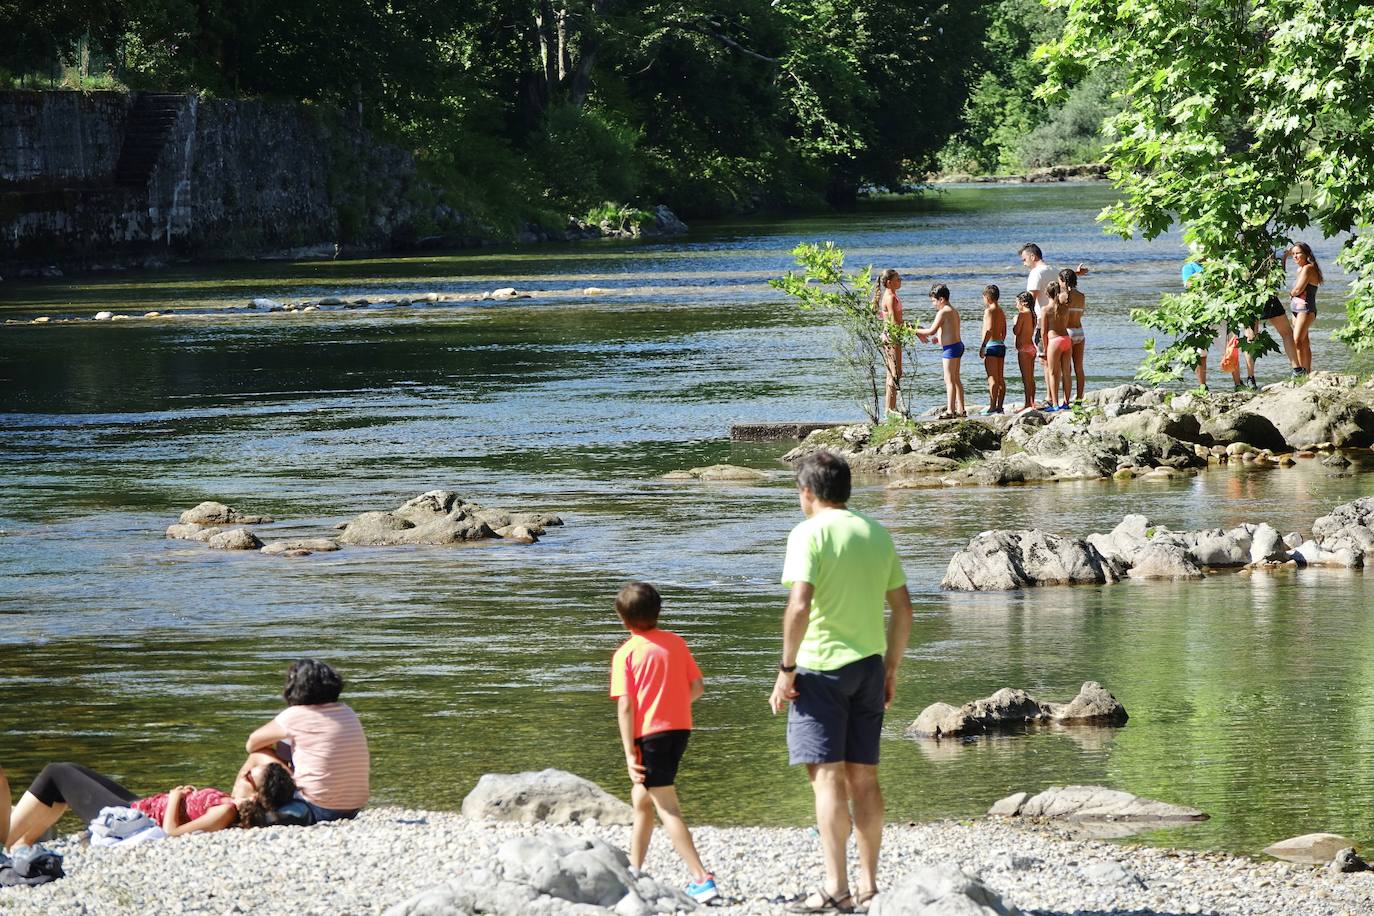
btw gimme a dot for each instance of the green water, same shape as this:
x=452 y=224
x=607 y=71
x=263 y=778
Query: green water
x=1250 y=697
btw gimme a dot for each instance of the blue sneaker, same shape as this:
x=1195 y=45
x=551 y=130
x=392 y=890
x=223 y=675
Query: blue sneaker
x=705 y=891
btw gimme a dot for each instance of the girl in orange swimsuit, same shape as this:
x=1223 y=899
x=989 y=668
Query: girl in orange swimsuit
x=889 y=308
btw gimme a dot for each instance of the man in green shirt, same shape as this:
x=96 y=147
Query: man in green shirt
x=839 y=669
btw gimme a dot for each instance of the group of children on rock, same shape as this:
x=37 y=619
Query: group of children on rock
x=1048 y=326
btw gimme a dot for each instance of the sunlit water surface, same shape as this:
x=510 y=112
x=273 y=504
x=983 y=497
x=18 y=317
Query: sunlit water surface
x=1250 y=697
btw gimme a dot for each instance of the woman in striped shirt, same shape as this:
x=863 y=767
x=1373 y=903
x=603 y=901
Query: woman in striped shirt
x=324 y=742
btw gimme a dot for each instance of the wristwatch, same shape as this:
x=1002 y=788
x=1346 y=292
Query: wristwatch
x=786 y=669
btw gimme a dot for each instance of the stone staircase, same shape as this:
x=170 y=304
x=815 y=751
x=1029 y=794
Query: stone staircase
x=151 y=120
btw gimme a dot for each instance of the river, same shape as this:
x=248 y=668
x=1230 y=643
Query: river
x=1250 y=697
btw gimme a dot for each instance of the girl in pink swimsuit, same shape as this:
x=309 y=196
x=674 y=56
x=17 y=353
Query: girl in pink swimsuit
x=1058 y=347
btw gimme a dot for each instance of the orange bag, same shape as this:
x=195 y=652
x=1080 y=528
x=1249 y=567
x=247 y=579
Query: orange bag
x=1231 y=361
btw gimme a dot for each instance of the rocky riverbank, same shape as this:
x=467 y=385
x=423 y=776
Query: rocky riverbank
x=1124 y=432
x=389 y=855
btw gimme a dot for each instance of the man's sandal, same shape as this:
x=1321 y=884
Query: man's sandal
x=862 y=900
x=842 y=904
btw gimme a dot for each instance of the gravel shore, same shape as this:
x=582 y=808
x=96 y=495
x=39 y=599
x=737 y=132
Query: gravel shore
x=389 y=854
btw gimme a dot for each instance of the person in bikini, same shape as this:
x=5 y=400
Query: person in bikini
x=1024 y=333
x=945 y=329
x=1054 y=322
x=1068 y=281
x=993 y=349
x=889 y=308
x=1303 y=302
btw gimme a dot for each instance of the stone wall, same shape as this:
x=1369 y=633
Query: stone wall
x=231 y=179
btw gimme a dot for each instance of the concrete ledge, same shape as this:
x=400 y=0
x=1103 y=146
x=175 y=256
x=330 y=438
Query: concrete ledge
x=776 y=432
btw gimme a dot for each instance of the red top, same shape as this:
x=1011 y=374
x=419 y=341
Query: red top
x=193 y=805
x=656 y=669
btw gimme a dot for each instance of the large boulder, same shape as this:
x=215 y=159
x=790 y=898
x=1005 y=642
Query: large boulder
x=439 y=517
x=1152 y=423
x=1243 y=425
x=549 y=875
x=959 y=440
x=549 y=796
x=1327 y=408
x=1310 y=848
x=940 y=890
x=1124 y=399
x=1089 y=803
x=213 y=513
x=1347 y=527
x=1001 y=560
x=1070 y=449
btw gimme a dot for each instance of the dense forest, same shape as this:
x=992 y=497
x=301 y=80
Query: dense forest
x=530 y=108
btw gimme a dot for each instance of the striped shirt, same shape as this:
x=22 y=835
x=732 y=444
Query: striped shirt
x=328 y=753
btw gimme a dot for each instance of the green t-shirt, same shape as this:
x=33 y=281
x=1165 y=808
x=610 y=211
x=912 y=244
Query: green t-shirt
x=849 y=560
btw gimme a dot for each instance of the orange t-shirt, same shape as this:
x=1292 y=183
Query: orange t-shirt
x=657 y=669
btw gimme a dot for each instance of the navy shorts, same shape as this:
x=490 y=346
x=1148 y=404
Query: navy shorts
x=660 y=753
x=837 y=716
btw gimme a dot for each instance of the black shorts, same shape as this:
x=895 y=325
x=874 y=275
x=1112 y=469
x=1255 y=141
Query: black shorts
x=660 y=753
x=1273 y=308
x=838 y=715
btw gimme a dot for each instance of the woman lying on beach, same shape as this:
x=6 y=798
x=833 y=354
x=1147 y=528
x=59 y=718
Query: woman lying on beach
x=263 y=786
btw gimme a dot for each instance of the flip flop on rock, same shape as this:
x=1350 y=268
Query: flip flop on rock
x=827 y=904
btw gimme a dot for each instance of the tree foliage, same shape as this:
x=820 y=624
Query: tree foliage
x=1249 y=122
x=712 y=105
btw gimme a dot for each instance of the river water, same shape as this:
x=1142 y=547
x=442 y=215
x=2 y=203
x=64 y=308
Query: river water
x=1250 y=697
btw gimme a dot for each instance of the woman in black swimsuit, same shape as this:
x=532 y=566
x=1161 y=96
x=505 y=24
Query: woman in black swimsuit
x=1303 y=302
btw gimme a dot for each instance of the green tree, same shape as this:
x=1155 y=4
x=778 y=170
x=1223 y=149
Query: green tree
x=1247 y=121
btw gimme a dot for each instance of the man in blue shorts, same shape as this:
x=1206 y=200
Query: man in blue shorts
x=839 y=669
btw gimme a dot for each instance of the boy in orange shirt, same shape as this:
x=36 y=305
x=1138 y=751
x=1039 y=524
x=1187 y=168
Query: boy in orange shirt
x=655 y=681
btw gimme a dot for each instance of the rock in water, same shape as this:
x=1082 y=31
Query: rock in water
x=1094 y=705
x=1095 y=803
x=213 y=513
x=301 y=546
x=234 y=539
x=1347 y=527
x=551 y=796
x=1310 y=848
x=1001 y=560
x=439 y=517
x=1008 y=708
x=717 y=472
x=104 y=316
x=940 y=890
x=1165 y=561
x=1324 y=410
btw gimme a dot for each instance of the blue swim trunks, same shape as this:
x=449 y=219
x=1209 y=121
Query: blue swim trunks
x=996 y=349
x=954 y=350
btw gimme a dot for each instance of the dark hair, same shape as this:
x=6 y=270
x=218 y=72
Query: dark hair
x=1052 y=292
x=638 y=605
x=311 y=683
x=1068 y=279
x=992 y=292
x=1032 y=248
x=826 y=475
x=1026 y=297
x=939 y=291
x=277 y=789
x=1307 y=250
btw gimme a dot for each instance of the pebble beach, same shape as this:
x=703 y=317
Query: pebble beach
x=388 y=855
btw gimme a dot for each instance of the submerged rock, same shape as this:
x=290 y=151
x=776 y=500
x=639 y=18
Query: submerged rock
x=1088 y=803
x=234 y=539
x=548 y=796
x=1009 y=709
x=717 y=472
x=300 y=547
x=439 y=518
